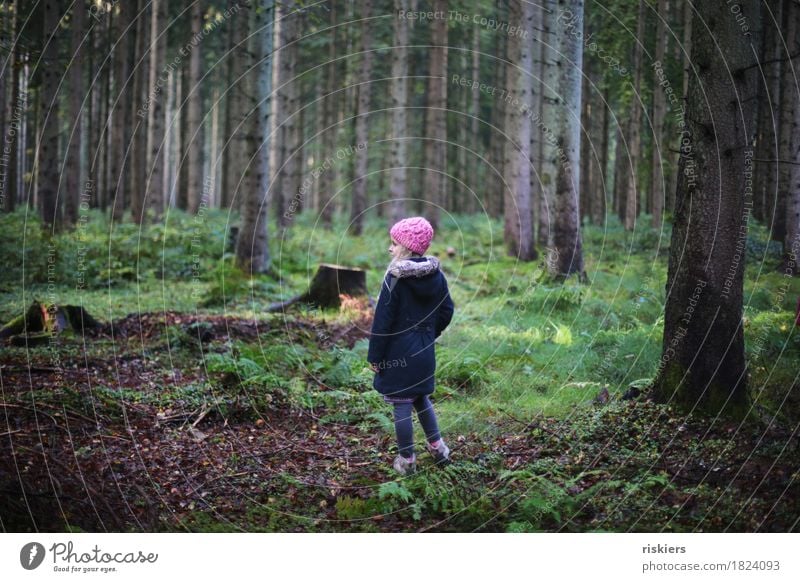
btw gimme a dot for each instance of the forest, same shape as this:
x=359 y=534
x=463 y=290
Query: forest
x=195 y=208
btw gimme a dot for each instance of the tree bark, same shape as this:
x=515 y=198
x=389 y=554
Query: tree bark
x=141 y=84
x=634 y=128
x=285 y=116
x=236 y=108
x=76 y=89
x=194 y=122
x=548 y=115
x=15 y=113
x=703 y=363
x=788 y=97
x=364 y=92
x=518 y=229
x=155 y=118
x=252 y=248
x=327 y=178
x=121 y=112
x=791 y=244
x=657 y=185
x=399 y=97
x=48 y=162
x=435 y=183
x=567 y=241
x=768 y=117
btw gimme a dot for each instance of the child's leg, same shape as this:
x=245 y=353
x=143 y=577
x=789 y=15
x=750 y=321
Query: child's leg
x=427 y=418
x=404 y=428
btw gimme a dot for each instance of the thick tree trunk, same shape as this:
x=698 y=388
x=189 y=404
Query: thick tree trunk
x=399 y=96
x=435 y=184
x=48 y=162
x=194 y=98
x=703 y=363
x=252 y=249
x=657 y=185
x=364 y=91
x=155 y=118
x=518 y=230
x=567 y=242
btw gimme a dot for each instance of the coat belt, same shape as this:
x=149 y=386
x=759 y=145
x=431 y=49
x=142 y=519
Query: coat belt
x=421 y=327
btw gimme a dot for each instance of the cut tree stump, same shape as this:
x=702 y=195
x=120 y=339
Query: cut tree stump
x=328 y=283
x=40 y=321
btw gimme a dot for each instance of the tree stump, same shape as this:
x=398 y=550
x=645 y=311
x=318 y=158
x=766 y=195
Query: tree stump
x=41 y=320
x=328 y=283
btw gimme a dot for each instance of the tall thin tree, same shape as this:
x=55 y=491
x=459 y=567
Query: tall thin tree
x=252 y=248
x=399 y=96
x=567 y=241
x=364 y=92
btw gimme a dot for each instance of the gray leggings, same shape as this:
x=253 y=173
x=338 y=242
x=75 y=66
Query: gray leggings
x=405 y=429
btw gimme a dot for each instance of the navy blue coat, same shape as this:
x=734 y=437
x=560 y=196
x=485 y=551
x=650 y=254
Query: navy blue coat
x=411 y=313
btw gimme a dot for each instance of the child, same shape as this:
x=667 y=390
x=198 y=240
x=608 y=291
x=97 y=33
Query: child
x=413 y=309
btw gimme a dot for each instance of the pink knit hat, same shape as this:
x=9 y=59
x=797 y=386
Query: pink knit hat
x=413 y=233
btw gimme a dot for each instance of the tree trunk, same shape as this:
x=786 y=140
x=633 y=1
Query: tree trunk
x=657 y=185
x=786 y=116
x=121 y=112
x=141 y=88
x=567 y=244
x=495 y=171
x=634 y=128
x=155 y=118
x=587 y=124
x=327 y=178
x=601 y=195
x=285 y=117
x=194 y=98
x=14 y=119
x=399 y=96
x=548 y=115
x=791 y=244
x=359 y=202
x=75 y=135
x=518 y=229
x=769 y=98
x=48 y=162
x=434 y=187
x=475 y=111
x=703 y=363
x=234 y=159
x=252 y=248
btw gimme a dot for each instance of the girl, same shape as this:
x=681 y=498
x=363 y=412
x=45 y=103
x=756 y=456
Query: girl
x=413 y=309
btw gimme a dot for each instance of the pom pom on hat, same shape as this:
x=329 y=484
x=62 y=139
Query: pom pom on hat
x=414 y=233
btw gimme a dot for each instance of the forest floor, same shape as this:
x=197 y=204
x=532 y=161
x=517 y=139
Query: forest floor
x=157 y=454
x=193 y=409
